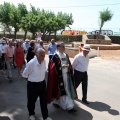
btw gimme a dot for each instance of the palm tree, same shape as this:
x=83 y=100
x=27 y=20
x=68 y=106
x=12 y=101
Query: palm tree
x=105 y=16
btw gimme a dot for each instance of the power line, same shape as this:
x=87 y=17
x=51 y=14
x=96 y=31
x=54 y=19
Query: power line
x=85 y=5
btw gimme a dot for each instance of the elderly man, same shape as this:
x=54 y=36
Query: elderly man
x=61 y=85
x=80 y=66
x=36 y=86
x=8 y=51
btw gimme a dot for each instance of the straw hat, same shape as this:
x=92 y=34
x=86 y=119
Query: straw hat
x=86 y=48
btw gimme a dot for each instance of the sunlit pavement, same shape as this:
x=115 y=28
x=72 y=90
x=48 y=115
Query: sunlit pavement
x=103 y=95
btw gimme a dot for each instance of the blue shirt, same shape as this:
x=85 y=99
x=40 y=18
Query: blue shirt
x=51 y=48
x=27 y=44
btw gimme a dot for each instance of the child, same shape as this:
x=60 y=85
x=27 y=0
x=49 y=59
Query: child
x=80 y=47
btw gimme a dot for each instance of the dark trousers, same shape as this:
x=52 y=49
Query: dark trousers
x=14 y=62
x=1 y=65
x=3 y=61
x=35 y=90
x=81 y=77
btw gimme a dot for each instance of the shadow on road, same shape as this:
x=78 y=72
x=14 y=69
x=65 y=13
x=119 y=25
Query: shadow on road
x=100 y=106
x=4 y=118
x=60 y=114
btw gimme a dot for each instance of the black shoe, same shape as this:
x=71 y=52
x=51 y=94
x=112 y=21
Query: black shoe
x=72 y=110
x=85 y=101
x=10 y=79
x=14 y=67
x=56 y=105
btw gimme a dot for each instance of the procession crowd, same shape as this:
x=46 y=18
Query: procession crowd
x=64 y=77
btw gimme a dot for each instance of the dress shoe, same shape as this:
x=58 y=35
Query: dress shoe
x=72 y=110
x=56 y=105
x=85 y=101
x=10 y=79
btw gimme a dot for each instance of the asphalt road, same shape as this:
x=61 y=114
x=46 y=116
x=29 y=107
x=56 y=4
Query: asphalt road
x=103 y=95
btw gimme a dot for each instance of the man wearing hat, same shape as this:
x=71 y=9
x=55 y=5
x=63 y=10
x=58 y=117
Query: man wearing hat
x=80 y=67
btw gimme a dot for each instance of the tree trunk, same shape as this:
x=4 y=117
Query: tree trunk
x=100 y=30
x=10 y=32
x=33 y=35
x=25 y=34
x=4 y=33
x=9 y=29
x=48 y=37
x=55 y=35
x=15 y=34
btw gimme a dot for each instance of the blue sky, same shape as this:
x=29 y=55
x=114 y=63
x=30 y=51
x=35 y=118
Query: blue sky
x=86 y=17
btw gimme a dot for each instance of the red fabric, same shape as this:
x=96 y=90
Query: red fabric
x=53 y=89
x=19 y=57
x=52 y=85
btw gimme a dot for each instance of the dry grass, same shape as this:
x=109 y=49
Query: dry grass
x=110 y=54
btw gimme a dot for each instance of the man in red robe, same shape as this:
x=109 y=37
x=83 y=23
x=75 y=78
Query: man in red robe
x=61 y=86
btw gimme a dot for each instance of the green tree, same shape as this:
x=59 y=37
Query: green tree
x=105 y=16
x=46 y=22
x=67 y=18
x=30 y=22
x=63 y=20
x=5 y=17
x=23 y=11
x=15 y=18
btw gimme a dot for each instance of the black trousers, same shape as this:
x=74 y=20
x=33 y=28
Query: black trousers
x=81 y=77
x=14 y=62
x=1 y=65
x=35 y=90
x=3 y=61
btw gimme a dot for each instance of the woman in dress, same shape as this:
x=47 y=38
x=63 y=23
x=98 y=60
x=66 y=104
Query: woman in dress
x=19 y=57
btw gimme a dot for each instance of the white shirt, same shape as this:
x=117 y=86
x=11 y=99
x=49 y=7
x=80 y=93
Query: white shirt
x=80 y=62
x=34 y=71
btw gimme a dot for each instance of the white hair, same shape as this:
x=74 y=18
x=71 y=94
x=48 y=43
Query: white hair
x=39 y=50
